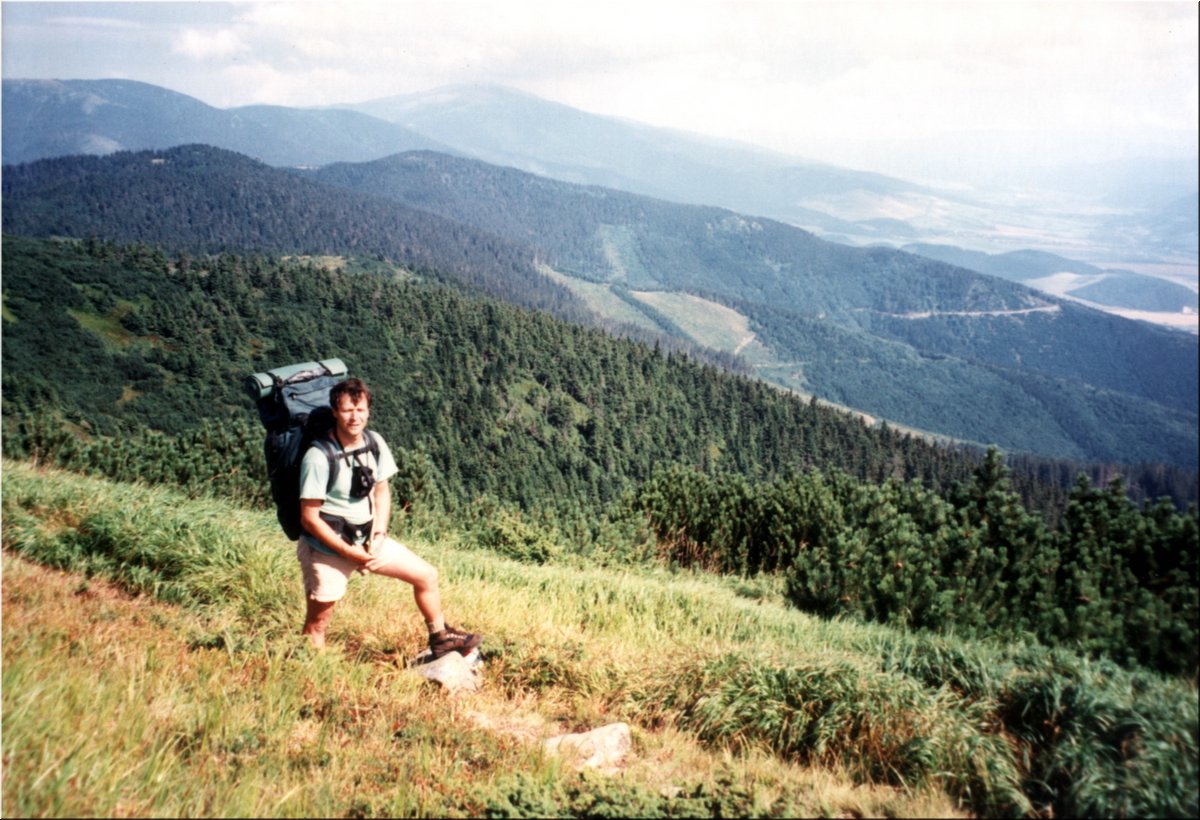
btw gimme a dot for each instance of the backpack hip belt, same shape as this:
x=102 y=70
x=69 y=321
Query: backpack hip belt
x=354 y=534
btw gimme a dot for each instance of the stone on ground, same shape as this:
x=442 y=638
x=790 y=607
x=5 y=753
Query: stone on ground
x=602 y=748
x=452 y=672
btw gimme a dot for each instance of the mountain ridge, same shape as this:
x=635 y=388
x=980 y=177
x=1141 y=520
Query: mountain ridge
x=715 y=246
x=499 y=125
x=204 y=199
x=843 y=204
x=576 y=146
x=48 y=118
x=886 y=366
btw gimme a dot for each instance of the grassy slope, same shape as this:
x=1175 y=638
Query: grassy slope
x=218 y=708
x=204 y=701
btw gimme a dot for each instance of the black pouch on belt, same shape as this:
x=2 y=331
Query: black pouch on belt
x=350 y=533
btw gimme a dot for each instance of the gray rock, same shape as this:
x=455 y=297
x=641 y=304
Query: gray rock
x=602 y=748
x=452 y=671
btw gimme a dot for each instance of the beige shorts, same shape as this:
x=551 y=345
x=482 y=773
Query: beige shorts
x=326 y=576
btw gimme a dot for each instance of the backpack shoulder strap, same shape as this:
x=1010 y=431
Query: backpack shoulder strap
x=335 y=462
x=335 y=457
x=372 y=443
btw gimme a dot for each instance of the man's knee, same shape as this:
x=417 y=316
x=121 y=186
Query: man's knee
x=427 y=578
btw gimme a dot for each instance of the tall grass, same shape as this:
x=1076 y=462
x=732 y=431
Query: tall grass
x=795 y=714
x=879 y=727
x=1100 y=740
x=133 y=723
x=150 y=541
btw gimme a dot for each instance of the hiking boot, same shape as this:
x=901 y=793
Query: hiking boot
x=453 y=640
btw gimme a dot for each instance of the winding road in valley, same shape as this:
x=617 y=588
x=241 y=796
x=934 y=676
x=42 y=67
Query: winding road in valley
x=926 y=314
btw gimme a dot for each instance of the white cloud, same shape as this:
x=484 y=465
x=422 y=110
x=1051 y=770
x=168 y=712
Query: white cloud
x=264 y=83
x=209 y=45
x=916 y=67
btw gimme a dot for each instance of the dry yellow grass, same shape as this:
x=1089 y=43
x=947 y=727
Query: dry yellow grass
x=125 y=706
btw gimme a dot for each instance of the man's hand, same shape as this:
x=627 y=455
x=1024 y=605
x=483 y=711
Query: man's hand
x=310 y=518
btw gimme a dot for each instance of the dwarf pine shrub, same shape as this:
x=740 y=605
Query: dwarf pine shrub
x=509 y=534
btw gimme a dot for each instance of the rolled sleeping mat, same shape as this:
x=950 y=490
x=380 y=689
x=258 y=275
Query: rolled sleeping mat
x=260 y=385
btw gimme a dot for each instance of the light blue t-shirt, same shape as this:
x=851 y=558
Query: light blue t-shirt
x=314 y=476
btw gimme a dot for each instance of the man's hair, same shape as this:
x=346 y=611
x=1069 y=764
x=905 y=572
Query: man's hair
x=352 y=388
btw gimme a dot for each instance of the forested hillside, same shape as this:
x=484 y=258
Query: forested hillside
x=899 y=336
x=538 y=436
x=590 y=232
x=204 y=200
x=912 y=341
x=504 y=401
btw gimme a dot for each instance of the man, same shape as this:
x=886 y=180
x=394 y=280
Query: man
x=345 y=530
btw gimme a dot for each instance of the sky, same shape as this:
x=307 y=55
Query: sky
x=872 y=85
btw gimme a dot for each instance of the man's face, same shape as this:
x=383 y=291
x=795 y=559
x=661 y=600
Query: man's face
x=351 y=416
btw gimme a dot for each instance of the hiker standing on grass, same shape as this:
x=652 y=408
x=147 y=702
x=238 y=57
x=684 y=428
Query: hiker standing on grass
x=345 y=530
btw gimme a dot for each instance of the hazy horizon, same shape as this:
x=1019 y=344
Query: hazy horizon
x=967 y=91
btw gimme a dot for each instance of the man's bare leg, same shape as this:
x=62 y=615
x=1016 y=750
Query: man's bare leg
x=422 y=576
x=316 y=619
x=402 y=563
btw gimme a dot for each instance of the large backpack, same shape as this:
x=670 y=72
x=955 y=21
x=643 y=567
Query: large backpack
x=293 y=406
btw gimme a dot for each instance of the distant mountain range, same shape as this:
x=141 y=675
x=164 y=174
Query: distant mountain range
x=208 y=200
x=511 y=128
x=908 y=339
x=1110 y=217
x=50 y=118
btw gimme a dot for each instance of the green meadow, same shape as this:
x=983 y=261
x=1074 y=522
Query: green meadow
x=152 y=667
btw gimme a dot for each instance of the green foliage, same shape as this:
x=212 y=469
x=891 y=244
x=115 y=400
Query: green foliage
x=1116 y=580
x=1089 y=728
x=1127 y=577
x=218 y=460
x=507 y=533
x=476 y=398
x=888 y=729
x=590 y=795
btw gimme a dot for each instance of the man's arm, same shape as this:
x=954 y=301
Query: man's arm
x=314 y=525
x=383 y=512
